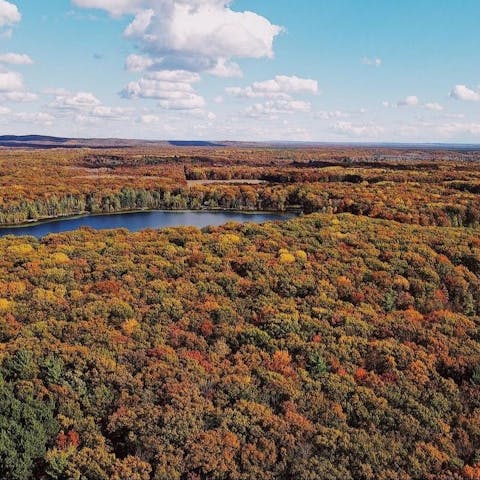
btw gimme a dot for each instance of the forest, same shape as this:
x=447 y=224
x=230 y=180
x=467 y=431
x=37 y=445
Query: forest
x=343 y=344
x=417 y=187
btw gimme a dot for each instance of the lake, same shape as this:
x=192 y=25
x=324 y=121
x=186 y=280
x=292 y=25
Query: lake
x=136 y=221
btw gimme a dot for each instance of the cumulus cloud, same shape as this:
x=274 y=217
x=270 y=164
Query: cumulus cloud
x=209 y=29
x=281 y=86
x=75 y=101
x=414 y=101
x=15 y=59
x=372 y=62
x=9 y=13
x=225 y=69
x=279 y=95
x=198 y=35
x=410 y=101
x=18 y=96
x=275 y=107
x=138 y=63
x=12 y=88
x=172 y=88
x=188 y=102
x=433 y=106
x=140 y=23
x=10 y=82
x=180 y=39
x=357 y=130
x=83 y=107
x=462 y=92
x=112 y=113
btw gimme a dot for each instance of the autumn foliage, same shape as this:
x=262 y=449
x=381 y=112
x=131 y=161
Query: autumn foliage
x=335 y=346
x=425 y=187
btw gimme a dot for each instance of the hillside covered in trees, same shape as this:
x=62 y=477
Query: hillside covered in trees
x=340 y=345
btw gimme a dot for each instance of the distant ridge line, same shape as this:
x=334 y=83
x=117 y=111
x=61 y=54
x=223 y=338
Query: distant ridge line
x=48 y=142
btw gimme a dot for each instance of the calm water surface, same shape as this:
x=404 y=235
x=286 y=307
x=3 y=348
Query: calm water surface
x=140 y=220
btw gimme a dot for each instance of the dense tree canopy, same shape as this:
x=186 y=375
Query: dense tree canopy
x=419 y=187
x=326 y=347
x=342 y=345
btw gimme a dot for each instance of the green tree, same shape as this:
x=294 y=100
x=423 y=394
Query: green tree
x=26 y=427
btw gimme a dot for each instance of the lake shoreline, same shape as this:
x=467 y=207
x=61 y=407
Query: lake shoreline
x=140 y=220
x=80 y=215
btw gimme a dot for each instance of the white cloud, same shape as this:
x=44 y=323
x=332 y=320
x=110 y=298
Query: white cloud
x=41 y=118
x=278 y=94
x=188 y=102
x=112 y=113
x=138 y=63
x=456 y=129
x=358 y=130
x=372 y=62
x=84 y=107
x=15 y=59
x=225 y=69
x=433 y=106
x=148 y=119
x=208 y=28
x=4 y=110
x=10 y=82
x=275 y=107
x=9 y=13
x=115 y=7
x=410 y=101
x=413 y=101
x=198 y=35
x=12 y=88
x=333 y=114
x=140 y=23
x=462 y=92
x=281 y=86
x=178 y=39
x=75 y=101
x=453 y=129
x=172 y=88
x=18 y=97
x=180 y=76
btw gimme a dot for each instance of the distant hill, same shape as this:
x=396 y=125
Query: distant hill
x=46 y=142
x=41 y=141
x=32 y=138
x=194 y=143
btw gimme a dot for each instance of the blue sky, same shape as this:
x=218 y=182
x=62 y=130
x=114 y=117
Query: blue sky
x=323 y=70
